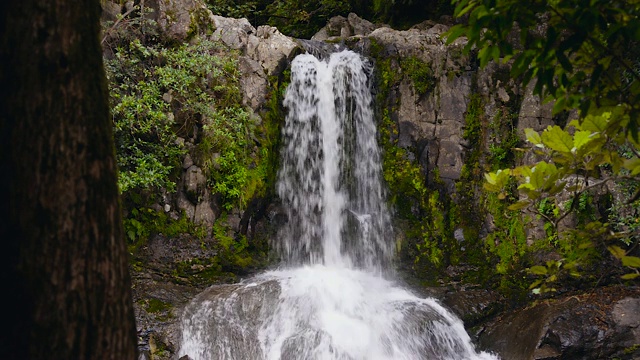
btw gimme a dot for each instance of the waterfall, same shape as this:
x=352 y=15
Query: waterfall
x=330 y=176
x=334 y=297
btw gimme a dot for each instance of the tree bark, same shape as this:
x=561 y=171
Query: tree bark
x=64 y=260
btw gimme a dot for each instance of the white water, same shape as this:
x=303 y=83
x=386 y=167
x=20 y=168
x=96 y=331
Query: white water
x=333 y=299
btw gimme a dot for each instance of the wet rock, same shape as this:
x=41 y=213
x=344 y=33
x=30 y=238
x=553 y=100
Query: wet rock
x=600 y=325
x=473 y=305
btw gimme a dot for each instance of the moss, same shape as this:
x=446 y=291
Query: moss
x=631 y=349
x=420 y=74
x=200 y=23
x=142 y=222
x=470 y=213
x=155 y=306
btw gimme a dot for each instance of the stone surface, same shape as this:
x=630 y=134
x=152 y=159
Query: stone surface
x=194 y=183
x=232 y=32
x=180 y=19
x=253 y=83
x=204 y=213
x=271 y=49
x=264 y=52
x=599 y=325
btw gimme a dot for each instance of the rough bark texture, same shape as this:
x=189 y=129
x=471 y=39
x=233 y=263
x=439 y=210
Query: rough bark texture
x=64 y=264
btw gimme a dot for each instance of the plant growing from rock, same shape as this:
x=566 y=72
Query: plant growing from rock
x=585 y=60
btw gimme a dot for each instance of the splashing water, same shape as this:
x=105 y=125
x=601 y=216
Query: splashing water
x=333 y=299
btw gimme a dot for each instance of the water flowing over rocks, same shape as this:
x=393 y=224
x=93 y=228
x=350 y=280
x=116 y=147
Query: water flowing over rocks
x=430 y=126
x=335 y=298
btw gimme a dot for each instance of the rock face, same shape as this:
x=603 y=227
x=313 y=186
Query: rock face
x=180 y=19
x=265 y=52
x=602 y=325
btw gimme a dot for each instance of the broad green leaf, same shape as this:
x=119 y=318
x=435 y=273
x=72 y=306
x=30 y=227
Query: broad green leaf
x=538 y=270
x=633 y=165
x=617 y=251
x=595 y=123
x=631 y=261
x=538 y=178
x=519 y=205
x=629 y=276
x=533 y=137
x=583 y=137
x=557 y=139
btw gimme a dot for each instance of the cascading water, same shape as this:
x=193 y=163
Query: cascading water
x=333 y=299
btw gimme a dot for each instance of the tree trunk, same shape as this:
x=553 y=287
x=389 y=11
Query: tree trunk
x=64 y=273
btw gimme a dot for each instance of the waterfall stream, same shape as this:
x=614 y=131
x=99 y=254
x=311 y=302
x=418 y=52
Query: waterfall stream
x=334 y=297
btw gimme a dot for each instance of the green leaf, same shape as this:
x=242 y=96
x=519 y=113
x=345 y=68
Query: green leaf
x=519 y=205
x=557 y=139
x=538 y=270
x=617 y=251
x=533 y=137
x=454 y=33
x=463 y=7
x=629 y=276
x=633 y=165
x=631 y=261
x=535 y=284
x=559 y=105
x=582 y=137
x=595 y=123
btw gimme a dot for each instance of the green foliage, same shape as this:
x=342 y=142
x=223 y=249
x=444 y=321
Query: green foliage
x=145 y=82
x=469 y=216
x=580 y=57
x=420 y=73
x=508 y=240
x=142 y=222
x=584 y=156
x=159 y=94
x=297 y=18
x=233 y=251
x=504 y=140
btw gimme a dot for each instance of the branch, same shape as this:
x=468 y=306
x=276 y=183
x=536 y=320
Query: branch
x=106 y=33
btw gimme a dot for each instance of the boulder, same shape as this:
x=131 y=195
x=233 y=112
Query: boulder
x=599 y=325
x=341 y=27
x=264 y=52
x=180 y=19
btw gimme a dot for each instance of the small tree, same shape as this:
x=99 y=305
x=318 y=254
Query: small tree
x=581 y=56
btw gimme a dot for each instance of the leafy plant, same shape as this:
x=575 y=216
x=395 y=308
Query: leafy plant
x=582 y=58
